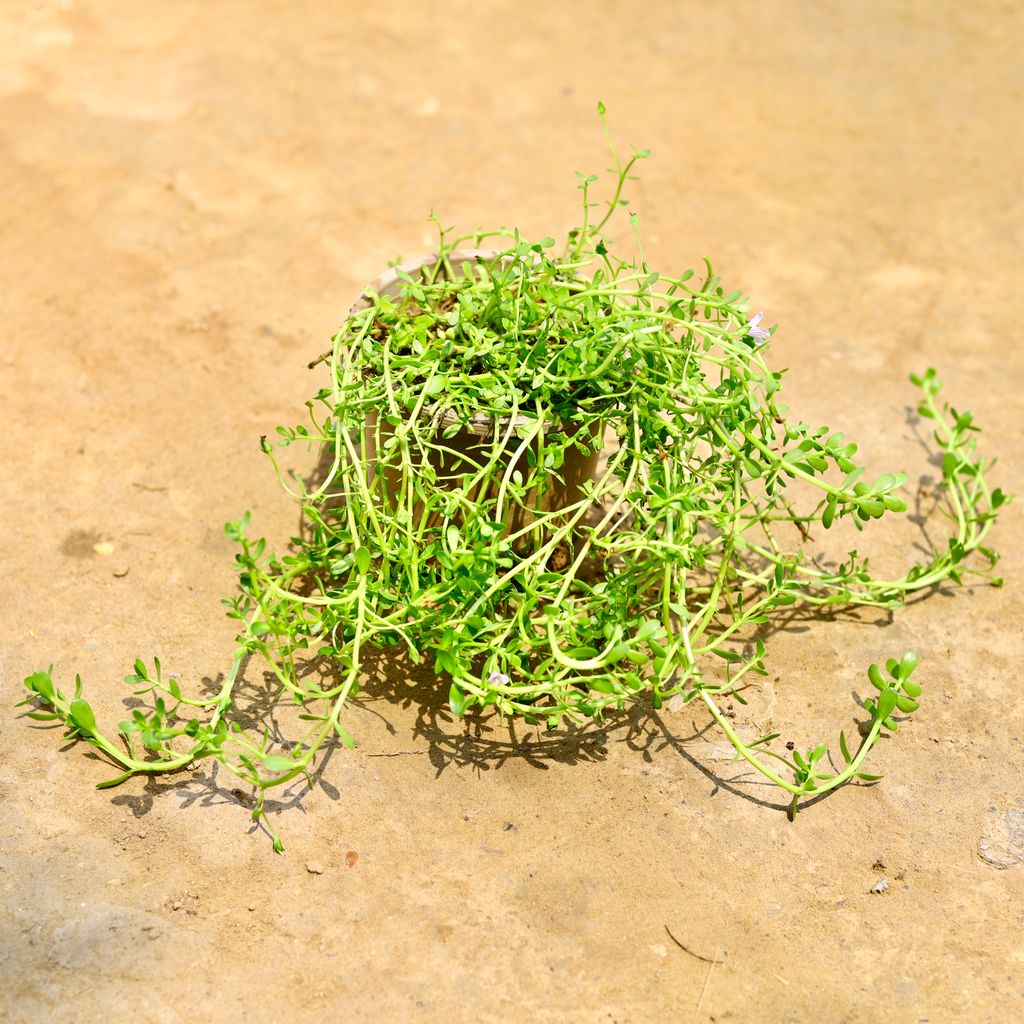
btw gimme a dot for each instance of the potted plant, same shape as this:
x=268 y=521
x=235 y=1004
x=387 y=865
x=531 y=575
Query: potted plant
x=565 y=480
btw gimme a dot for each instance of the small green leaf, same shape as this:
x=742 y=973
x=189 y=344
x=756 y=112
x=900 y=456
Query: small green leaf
x=876 y=677
x=726 y=654
x=111 y=783
x=83 y=718
x=907 y=664
x=844 y=748
x=886 y=702
x=444 y=662
x=456 y=700
x=277 y=763
x=362 y=560
x=617 y=653
x=828 y=516
x=41 y=683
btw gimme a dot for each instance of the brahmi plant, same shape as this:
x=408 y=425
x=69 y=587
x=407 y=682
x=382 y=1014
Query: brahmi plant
x=453 y=519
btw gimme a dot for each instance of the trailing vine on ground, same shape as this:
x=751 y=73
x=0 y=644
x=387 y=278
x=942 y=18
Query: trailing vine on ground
x=465 y=517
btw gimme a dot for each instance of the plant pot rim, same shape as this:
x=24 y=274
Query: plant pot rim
x=390 y=278
x=480 y=424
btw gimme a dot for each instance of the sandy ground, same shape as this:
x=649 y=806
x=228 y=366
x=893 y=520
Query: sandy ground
x=192 y=195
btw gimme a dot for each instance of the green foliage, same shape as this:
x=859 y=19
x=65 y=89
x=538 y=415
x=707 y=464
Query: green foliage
x=649 y=579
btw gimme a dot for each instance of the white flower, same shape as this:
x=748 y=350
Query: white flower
x=497 y=678
x=755 y=331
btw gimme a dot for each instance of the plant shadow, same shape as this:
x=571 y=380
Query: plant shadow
x=483 y=740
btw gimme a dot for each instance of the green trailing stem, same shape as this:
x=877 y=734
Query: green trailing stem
x=653 y=580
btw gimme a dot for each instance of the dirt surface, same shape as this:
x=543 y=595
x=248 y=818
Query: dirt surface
x=193 y=193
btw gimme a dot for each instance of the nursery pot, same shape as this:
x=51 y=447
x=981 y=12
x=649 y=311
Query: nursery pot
x=474 y=441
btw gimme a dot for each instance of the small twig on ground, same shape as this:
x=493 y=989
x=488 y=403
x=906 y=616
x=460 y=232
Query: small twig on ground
x=685 y=949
